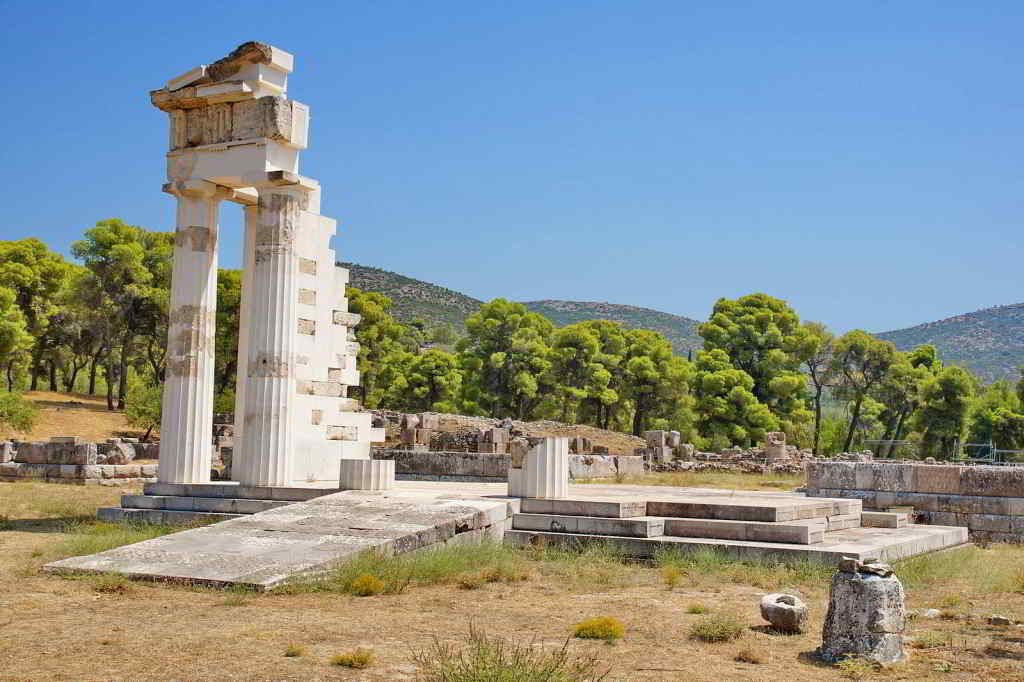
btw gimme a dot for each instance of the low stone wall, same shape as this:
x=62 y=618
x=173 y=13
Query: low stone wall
x=79 y=474
x=987 y=500
x=413 y=465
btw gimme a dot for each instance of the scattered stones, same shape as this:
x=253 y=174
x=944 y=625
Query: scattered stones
x=866 y=614
x=999 y=620
x=786 y=612
x=929 y=614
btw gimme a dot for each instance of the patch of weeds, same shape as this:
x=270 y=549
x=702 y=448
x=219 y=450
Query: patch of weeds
x=723 y=627
x=591 y=565
x=91 y=537
x=696 y=609
x=357 y=658
x=671 y=575
x=930 y=639
x=711 y=563
x=473 y=581
x=952 y=601
x=5 y=522
x=489 y=658
x=603 y=627
x=111 y=583
x=856 y=667
x=752 y=655
x=294 y=651
x=238 y=595
x=367 y=585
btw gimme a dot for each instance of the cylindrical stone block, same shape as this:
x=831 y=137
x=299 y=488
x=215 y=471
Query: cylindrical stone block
x=866 y=617
x=367 y=474
x=546 y=469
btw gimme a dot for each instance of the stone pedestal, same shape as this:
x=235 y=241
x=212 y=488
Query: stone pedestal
x=866 y=615
x=367 y=474
x=187 y=419
x=544 y=472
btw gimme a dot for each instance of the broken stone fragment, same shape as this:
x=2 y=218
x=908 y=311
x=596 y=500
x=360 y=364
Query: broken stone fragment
x=786 y=613
x=866 y=616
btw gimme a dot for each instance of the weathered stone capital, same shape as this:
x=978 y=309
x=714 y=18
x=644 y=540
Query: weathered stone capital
x=198 y=189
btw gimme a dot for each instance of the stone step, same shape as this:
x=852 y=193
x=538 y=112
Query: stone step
x=218 y=505
x=878 y=519
x=166 y=517
x=612 y=509
x=801 y=532
x=752 y=508
x=234 y=490
x=844 y=521
x=637 y=527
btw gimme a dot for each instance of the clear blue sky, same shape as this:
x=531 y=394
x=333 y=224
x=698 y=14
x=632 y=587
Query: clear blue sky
x=863 y=162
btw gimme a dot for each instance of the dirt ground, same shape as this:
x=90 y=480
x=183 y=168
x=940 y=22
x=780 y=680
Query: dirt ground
x=71 y=629
x=72 y=414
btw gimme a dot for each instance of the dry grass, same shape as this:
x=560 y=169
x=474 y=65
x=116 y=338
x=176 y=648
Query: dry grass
x=357 y=658
x=183 y=630
x=607 y=628
x=73 y=414
x=723 y=627
x=712 y=479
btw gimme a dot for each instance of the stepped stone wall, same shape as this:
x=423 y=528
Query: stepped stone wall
x=987 y=500
x=422 y=465
x=71 y=460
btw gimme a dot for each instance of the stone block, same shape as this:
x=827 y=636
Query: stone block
x=639 y=527
x=893 y=478
x=656 y=439
x=937 y=478
x=866 y=617
x=367 y=474
x=546 y=469
x=871 y=519
x=754 y=531
x=614 y=509
x=627 y=465
x=66 y=440
x=6 y=452
x=591 y=466
x=989 y=522
x=831 y=475
x=31 y=453
x=992 y=481
x=600 y=450
x=843 y=521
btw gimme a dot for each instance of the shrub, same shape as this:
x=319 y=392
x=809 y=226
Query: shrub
x=366 y=585
x=671 y=575
x=696 y=609
x=603 y=627
x=486 y=658
x=856 y=667
x=294 y=651
x=111 y=583
x=718 y=628
x=17 y=411
x=357 y=658
x=144 y=407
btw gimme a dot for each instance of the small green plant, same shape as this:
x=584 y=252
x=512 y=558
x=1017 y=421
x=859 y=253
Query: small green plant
x=696 y=609
x=856 y=667
x=930 y=639
x=751 y=655
x=603 y=627
x=294 y=651
x=357 y=658
x=671 y=575
x=952 y=601
x=111 y=583
x=367 y=585
x=723 y=627
x=17 y=411
x=487 y=658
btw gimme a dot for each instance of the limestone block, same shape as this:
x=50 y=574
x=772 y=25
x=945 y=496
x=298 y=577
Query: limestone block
x=866 y=617
x=6 y=452
x=546 y=469
x=686 y=451
x=675 y=439
x=992 y=481
x=491 y=448
x=119 y=453
x=342 y=433
x=600 y=450
x=629 y=465
x=409 y=421
x=415 y=437
x=775 y=446
x=656 y=439
x=786 y=612
x=31 y=453
x=833 y=475
x=938 y=478
x=591 y=466
x=429 y=420
x=517 y=450
x=893 y=477
x=579 y=445
x=345 y=318
x=515 y=482
x=884 y=519
x=367 y=474
x=66 y=440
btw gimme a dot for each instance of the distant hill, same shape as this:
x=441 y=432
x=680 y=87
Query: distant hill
x=681 y=331
x=413 y=298
x=989 y=342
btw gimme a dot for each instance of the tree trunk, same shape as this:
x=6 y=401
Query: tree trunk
x=53 y=377
x=35 y=377
x=638 y=417
x=70 y=379
x=108 y=373
x=854 y=418
x=817 y=420
x=122 y=385
x=10 y=376
x=93 y=364
x=899 y=425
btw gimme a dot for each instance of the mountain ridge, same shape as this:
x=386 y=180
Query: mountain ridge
x=989 y=341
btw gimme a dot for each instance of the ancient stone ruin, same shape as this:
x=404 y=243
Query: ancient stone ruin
x=235 y=136
x=866 y=614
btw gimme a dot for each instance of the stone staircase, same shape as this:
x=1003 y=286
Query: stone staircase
x=186 y=504
x=753 y=526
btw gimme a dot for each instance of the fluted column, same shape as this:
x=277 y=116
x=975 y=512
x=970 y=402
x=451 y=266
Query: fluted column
x=244 y=317
x=186 y=427
x=266 y=453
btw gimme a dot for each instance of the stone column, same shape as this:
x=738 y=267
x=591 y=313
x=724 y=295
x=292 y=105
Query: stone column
x=244 y=317
x=186 y=429
x=266 y=453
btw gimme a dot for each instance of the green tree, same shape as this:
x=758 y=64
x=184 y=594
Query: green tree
x=763 y=337
x=37 y=276
x=132 y=267
x=229 y=304
x=945 y=403
x=728 y=412
x=860 y=362
x=899 y=393
x=817 y=351
x=145 y=405
x=505 y=358
x=430 y=381
x=656 y=382
x=385 y=346
x=14 y=336
x=586 y=360
x=996 y=415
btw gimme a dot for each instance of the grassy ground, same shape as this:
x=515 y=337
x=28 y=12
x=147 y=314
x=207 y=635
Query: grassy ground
x=730 y=480
x=73 y=414
x=415 y=623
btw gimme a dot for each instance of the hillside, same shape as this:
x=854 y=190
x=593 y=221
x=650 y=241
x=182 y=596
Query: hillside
x=681 y=331
x=989 y=342
x=413 y=298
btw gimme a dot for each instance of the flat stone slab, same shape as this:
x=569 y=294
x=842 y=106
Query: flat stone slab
x=581 y=506
x=640 y=526
x=799 y=532
x=886 y=544
x=264 y=550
